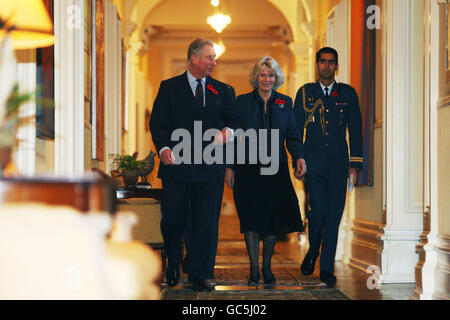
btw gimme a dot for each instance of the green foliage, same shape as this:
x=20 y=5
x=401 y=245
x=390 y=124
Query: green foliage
x=10 y=124
x=15 y=100
x=129 y=162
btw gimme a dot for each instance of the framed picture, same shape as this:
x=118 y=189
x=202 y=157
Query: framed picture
x=447 y=38
x=99 y=79
x=87 y=60
x=363 y=79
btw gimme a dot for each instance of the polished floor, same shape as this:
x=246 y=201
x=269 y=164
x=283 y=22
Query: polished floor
x=231 y=270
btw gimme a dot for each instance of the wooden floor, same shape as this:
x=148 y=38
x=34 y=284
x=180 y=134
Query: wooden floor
x=232 y=263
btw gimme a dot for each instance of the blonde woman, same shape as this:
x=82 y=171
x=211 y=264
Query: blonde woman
x=267 y=205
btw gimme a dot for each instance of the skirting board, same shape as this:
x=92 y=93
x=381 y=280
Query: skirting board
x=397 y=256
x=365 y=244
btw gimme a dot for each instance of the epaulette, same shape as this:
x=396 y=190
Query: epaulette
x=310 y=84
x=345 y=85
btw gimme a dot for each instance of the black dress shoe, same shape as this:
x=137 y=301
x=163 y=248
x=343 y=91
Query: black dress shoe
x=328 y=278
x=210 y=276
x=253 y=280
x=308 y=265
x=172 y=276
x=269 y=278
x=201 y=286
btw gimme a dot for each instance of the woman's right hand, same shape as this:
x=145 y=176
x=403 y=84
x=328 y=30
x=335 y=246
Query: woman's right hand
x=229 y=177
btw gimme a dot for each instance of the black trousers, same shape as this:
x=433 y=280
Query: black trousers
x=327 y=201
x=214 y=231
x=174 y=218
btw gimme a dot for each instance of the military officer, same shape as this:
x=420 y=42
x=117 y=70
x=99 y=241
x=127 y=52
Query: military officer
x=325 y=110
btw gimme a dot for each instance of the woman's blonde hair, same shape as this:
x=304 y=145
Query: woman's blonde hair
x=270 y=63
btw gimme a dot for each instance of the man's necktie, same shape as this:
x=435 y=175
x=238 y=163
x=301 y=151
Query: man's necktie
x=327 y=95
x=199 y=94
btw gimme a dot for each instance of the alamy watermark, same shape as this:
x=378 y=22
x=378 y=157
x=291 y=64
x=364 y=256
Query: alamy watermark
x=75 y=18
x=73 y=280
x=373 y=282
x=250 y=147
x=374 y=18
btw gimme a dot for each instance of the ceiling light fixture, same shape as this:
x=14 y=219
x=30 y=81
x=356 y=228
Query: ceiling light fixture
x=219 y=21
x=219 y=48
x=215 y=3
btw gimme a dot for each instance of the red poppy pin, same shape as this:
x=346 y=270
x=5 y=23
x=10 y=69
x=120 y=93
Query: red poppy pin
x=210 y=87
x=334 y=94
x=281 y=103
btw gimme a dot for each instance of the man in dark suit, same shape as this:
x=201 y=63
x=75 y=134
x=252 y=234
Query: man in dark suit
x=191 y=103
x=214 y=231
x=325 y=110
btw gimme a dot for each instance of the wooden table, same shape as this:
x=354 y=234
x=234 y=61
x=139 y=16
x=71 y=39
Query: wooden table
x=146 y=205
x=85 y=193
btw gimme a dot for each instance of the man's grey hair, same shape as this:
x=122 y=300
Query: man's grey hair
x=196 y=47
x=271 y=63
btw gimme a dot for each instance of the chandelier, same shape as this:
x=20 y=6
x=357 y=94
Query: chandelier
x=218 y=21
x=219 y=48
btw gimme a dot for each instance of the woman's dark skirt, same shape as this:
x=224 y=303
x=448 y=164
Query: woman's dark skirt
x=267 y=205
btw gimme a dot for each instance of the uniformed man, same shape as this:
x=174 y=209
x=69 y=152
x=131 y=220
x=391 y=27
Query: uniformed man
x=325 y=110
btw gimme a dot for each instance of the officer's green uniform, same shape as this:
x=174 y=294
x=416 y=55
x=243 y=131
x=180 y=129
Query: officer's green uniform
x=324 y=122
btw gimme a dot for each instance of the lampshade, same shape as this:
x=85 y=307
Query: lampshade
x=31 y=23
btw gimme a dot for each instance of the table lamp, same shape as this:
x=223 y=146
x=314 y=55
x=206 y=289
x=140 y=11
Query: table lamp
x=27 y=22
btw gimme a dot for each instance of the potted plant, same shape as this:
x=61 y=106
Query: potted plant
x=129 y=168
x=10 y=101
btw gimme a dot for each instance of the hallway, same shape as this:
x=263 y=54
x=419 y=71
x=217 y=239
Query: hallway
x=231 y=274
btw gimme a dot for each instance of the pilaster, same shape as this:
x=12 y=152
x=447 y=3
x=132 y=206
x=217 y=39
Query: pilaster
x=403 y=171
x=25 y=153
x=69 y=87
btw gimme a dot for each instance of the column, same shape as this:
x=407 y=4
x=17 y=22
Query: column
x=303 y=53
x=25 y=153
x=113 y=83
x=69 y=87
x=403 y=140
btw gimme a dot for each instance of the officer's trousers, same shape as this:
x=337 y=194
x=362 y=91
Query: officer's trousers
x=327 y=201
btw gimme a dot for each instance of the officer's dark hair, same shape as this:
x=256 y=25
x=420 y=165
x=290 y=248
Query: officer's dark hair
x=326 y=50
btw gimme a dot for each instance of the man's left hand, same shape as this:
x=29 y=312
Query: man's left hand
x=300 y=170
x=222 y=137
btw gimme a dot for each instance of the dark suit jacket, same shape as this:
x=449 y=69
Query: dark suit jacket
x=175 y=108
x=325 y=144
x=279 y=115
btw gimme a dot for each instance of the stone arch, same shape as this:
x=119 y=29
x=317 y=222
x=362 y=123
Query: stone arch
x=287 y=8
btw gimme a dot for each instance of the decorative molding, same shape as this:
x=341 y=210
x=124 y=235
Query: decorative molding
x=397 y=256
x=378 y=124
x=128 y=27
x=443 y=102
x=425 y=271
x=365 y=243
x=309 y=28
x=442 y=284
